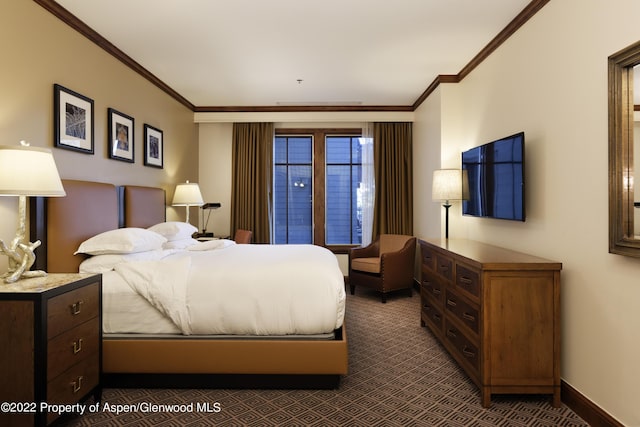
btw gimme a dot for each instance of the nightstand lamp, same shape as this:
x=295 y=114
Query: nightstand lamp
x=449 y=184
x=26 y=171
x=187 y=194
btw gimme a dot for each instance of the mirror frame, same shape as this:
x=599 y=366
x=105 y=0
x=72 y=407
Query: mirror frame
x=621 y=107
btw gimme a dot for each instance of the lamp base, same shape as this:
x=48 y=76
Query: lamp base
x=21 y=252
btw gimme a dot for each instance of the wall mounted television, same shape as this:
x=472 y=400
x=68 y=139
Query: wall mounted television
x=496 y=179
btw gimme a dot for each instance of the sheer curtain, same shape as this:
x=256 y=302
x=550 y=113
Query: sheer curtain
x=251 y=187
x=393 y=157
x=368 y=187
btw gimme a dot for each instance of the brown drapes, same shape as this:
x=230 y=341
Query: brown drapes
x=252 y=173
x=392 y=148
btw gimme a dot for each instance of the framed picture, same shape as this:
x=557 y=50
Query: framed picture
x=72 y=120
x=121 y=141
x=153 y=146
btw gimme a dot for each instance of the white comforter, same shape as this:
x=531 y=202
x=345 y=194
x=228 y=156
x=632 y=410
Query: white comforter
x=241 y=289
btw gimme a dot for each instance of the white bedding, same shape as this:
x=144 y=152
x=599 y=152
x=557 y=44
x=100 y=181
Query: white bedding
x=220 y=289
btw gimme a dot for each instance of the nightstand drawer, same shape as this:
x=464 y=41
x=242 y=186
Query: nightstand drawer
x=72 y=346
x=74 y=383
x=72 y=309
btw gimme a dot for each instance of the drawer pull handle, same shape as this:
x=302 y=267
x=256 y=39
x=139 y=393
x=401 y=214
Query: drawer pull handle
x=77 y=385
x=77 y=346
x=451 y=302
x=465 y=280
x=76 y=308
x=436 y=291
x=468 y=317
x=468 y=352
x=452 y=333
x=436 y=316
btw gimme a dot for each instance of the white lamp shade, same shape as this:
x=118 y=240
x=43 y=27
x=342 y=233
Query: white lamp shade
x=187 y=194
x=28 y=171
x=450 y=184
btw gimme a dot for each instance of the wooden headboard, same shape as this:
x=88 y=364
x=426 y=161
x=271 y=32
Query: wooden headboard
x=89 y=208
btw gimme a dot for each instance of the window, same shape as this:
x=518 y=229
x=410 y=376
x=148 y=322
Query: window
x=317 y=181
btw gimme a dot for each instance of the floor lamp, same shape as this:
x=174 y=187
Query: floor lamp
x=448 y=185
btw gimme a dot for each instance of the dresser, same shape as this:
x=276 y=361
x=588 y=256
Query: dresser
x=497 y=312
x=51 y=340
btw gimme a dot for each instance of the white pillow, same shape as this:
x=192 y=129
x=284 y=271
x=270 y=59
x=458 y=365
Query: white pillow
x=122 y=241
x=174 y=230
x=180 y=244
x=103 y=263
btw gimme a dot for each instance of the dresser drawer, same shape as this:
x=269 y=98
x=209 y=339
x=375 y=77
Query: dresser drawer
x=463 y=311
x=433 y=288
x=71 y=309
x=467 y=351
x=468 y=280
x=444 y=266
x=431 y=314
x=68 y=348
x=428 y=257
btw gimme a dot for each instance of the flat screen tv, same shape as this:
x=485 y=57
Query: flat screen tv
x=496 y=179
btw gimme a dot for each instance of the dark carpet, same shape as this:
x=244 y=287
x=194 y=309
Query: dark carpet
x=399 y=375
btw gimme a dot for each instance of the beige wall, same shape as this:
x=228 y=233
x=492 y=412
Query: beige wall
x=39 y=50
x=550 y=80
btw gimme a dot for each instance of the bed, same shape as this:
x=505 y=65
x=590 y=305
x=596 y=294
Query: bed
x=174 y=359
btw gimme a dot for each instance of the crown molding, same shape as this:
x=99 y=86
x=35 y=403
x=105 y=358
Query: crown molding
x=67 y=17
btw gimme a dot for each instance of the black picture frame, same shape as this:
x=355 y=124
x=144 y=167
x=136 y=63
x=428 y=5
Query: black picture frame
x=153 y=147
x=121 y=136
x=73 y=120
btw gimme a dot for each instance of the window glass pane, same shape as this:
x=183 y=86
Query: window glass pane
x=300 y=150
x=300 y=212
x=280 y=204
x=356 y=203
x=356 y=150
x=337 y=149
x=280 y=150
x=339 y=203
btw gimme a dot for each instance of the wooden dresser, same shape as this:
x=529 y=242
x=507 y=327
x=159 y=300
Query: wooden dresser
x=497 y=312
x=51 y=339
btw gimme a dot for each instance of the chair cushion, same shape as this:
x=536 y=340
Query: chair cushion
x=369 y=265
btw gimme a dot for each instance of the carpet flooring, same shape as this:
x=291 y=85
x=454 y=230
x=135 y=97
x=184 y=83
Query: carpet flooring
x=399 y=375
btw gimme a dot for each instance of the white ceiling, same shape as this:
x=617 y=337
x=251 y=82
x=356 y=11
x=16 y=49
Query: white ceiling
x=252 y=52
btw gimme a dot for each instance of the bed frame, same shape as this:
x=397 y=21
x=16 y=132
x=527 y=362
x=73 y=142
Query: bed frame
x=90 y=208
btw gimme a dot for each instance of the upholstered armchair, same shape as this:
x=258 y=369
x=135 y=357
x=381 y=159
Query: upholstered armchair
x=243 y=236
x=385 y=265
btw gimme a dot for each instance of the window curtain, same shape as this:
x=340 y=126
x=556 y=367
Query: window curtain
x=367 y=191
x=393 y=212
x=252 y=171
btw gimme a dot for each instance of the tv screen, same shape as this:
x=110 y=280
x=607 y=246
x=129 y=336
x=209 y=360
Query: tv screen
x=496 y=179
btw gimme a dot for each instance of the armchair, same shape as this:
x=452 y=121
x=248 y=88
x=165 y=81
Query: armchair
x=385 y=265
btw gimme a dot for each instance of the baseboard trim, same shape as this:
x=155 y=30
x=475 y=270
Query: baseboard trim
x=586 y=409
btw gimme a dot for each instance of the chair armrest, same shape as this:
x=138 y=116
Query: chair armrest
x=401 y=262
x=369 y=251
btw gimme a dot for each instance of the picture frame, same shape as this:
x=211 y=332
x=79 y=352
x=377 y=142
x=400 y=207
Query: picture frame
x=121 y=136
x=73 y=119
x=153 y=147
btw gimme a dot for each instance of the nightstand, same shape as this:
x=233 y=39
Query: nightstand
x=51 y=340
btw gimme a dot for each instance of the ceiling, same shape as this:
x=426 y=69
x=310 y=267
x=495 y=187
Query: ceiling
x=277 y=53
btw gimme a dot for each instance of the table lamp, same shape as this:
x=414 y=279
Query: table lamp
x=187 y=194
x=449 y=184
x=25 y=171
